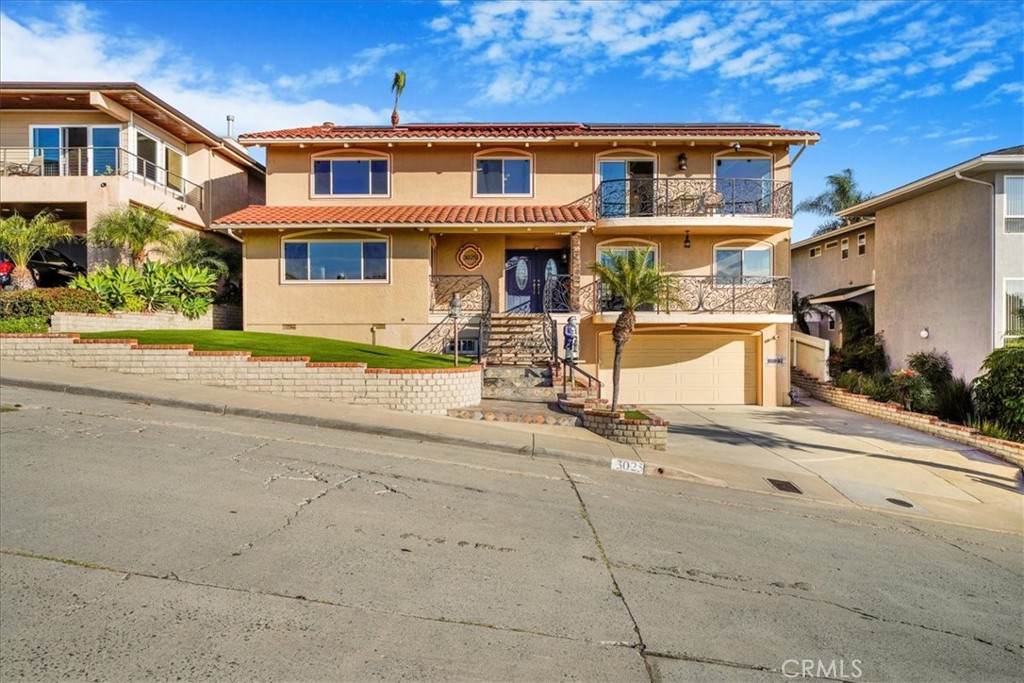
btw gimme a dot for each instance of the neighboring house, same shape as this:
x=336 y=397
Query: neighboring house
x=80 y=149
x=948 y=260
x=368 y=233
x=837 y=272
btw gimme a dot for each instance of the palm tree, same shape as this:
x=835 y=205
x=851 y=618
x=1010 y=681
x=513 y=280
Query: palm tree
x=841 y=193
x=192 y=248
x=802 y=307
x=631 y=278
x=136 y=230
x=20 y=239
x=397 y=86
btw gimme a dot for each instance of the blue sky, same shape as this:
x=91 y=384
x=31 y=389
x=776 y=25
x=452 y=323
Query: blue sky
x=898 y=90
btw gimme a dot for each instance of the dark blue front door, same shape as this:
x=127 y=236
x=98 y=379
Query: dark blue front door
x=525 y=274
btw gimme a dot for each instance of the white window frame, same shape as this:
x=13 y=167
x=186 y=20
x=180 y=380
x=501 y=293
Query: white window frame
x=862 y=244
x=503 y=155
x=349 y=155
x=319 y=237
x=1006 y=206
x=161 y=160
x=62 y=151
x=743 y=247
x=628 y=244
x=844 y=248
x=1006 y=312
x=829 y=246
x=814 y=252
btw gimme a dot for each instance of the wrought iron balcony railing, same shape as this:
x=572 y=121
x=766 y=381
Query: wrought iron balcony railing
x=685 y=294
x=683 y=197
x=97 y=161
x=473 y=290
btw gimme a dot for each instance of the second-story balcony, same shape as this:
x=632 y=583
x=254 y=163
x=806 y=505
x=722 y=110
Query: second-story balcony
x=692 y=197
x=65 y=162
x=714 y=295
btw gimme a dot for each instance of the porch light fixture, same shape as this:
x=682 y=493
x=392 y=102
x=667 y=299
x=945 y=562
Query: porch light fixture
x=686 y=240
x=682 y=161
x=925 y=333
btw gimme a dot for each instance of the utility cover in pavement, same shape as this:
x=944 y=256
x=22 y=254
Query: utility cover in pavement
x=784 y=485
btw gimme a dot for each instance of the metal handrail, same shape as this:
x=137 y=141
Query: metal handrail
x=570 y=377
x=97 y=161
x=474 y=298
x=682 y=197
x=685 y=294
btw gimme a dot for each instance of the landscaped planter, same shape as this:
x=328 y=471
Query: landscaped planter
x=219 y=317
x=1010 y=451
x=651 y=432
x=431 y=391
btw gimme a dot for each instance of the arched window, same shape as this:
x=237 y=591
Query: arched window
x=503 y=172
x=626 y=183
x=744 y=179
x=351 y=173
x=319 y=256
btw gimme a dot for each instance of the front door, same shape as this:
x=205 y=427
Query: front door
x=525 y=274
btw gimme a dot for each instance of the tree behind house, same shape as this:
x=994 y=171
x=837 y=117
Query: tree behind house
x=134 y=230
x=841 y=193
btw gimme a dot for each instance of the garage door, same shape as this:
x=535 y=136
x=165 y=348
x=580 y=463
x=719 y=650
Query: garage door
x=683 y=369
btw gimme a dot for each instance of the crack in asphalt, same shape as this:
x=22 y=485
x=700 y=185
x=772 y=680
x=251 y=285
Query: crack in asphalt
x=925 y=534
x=639 y=646
x=675 y=573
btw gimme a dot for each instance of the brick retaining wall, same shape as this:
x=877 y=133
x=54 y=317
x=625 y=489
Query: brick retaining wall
x=414 y=390
x=891 y=412
x=650 y=433
x=219 y=317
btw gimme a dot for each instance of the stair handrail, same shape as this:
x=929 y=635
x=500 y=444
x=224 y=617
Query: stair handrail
x=570 y=376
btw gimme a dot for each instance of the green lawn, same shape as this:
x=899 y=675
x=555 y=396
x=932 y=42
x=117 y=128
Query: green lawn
x=318 y=349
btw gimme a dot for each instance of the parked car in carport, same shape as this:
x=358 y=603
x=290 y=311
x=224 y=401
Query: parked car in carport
x=50 y=268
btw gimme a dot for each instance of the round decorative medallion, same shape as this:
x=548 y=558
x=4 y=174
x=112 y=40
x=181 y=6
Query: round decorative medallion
x=469 y=256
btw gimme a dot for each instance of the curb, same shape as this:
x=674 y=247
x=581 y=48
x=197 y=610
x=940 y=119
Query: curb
x=305 y=420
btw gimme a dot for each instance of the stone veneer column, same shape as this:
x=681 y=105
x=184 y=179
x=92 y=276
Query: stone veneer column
x=575 y=266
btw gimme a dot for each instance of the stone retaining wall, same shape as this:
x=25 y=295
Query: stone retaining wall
x=419 y=391
x=649 y=433
x=219 y=317
x=891 y=412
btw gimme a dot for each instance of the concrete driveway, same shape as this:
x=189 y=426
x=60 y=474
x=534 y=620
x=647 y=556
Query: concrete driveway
x=865 y=460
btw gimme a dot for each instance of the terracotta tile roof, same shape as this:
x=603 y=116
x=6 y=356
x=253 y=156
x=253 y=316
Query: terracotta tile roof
x=255 y=216
x=532 y=131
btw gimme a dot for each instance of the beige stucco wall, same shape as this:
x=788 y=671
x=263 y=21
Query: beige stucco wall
x=444 y=174
x=933 y=270
x=812 y=276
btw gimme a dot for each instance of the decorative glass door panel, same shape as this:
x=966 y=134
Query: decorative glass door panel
x=525 y=275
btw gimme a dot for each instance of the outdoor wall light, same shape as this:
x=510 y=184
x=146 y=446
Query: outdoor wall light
x=736 y=146
x=686 y=240
x=925 y=333
x=565 y=256
x=682 y=161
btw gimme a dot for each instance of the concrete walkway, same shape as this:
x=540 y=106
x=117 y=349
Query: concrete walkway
x=830 y=455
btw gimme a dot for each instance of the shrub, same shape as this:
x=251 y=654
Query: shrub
x=36 y=303
x=34 y=325
x=850 y=380
x=934 y=366
x=186 y=289
x=999 y=392
x=953 y=401
x=911 y=391
x=878 y=387
x=992 y=429
x=866 y=356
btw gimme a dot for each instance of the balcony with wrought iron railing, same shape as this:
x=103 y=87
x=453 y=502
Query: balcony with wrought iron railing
x=691 y=198
x=51 y=162
x=686 y=294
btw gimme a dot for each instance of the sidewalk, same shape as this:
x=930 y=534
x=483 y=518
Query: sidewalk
x=742 y=448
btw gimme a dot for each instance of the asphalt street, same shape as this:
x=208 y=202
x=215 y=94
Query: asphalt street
x=152 y=543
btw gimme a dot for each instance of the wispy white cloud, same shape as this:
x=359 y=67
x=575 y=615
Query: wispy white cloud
x=860 y=12
x=932 y=90
x=849 y=123
x=885 y=53
x=795 y=79
x=979 y=73
x=970 y=140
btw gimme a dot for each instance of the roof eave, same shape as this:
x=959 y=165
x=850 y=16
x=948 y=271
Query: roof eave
x=859 y=225
x=366 y=226
x=788 y=140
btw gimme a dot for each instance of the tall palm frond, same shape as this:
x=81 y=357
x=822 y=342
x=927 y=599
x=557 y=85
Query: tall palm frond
x=20 y=239
x=635 y=281
x=133 y=229
x=193 y=248
x=397 y=87
x=841 y=193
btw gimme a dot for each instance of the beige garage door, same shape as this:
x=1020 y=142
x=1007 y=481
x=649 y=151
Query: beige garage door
x=680 y=369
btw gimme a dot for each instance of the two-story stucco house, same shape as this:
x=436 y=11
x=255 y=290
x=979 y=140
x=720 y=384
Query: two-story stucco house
x=837 y=271
x=947 y=257
x=81 y=149
x=368 y=232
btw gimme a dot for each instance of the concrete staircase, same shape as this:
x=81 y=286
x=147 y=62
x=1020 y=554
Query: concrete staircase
x=517 y=340
x=529 y=384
